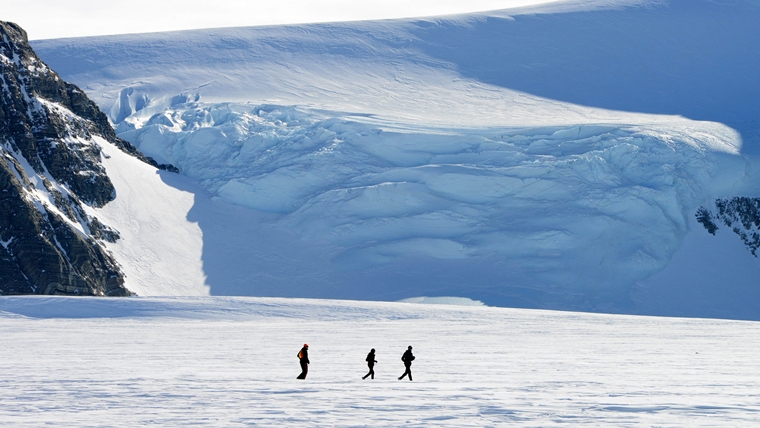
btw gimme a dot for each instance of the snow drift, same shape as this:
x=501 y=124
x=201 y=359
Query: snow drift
x=545 y=157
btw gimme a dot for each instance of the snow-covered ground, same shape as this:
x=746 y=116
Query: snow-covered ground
x=232 y=362
x=550 y=156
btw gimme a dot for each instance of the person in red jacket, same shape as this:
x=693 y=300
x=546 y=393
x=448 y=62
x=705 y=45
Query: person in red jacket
x=303 y=359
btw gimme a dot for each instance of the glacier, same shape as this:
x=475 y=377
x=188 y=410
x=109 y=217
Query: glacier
x=580 y=206
x=550 y=156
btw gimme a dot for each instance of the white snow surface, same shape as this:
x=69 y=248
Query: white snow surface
x=159 y=249
x=42 y=18
x=549 y=156
x=232 y=362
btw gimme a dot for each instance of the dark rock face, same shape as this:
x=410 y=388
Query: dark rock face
x=740 y=214
x=50 y=171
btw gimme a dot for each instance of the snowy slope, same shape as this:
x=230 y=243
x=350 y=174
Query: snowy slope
x=159 y=249
x=232 y=361
x=42 y=18
x=543 y=157
x=677 y=57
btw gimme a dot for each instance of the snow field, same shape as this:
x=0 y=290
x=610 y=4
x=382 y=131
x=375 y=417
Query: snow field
x=232 y=362
x=40 y=18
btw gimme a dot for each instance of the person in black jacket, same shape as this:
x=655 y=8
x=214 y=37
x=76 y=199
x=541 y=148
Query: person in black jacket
x=407 y=358
x=371 y=363
x=303 y=359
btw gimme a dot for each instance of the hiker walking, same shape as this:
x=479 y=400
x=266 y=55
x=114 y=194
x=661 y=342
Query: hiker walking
x=371 y=364
x=303 y=359
x=407 y=358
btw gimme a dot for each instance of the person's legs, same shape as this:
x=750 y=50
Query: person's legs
x=304 y=370
x=407 y=372
x=371 y=371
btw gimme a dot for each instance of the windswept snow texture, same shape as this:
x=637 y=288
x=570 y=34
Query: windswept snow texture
x=232 y=362
x=542 y=157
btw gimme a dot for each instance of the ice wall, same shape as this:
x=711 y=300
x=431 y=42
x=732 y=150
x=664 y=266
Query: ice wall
x=581 y=207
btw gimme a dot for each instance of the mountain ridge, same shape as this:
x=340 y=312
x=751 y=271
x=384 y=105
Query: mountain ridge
x=51 y=174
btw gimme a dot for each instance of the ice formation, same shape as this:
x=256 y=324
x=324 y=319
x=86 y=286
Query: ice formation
x=542 y=157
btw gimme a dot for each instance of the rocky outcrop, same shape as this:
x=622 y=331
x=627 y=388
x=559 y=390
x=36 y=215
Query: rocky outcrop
x=740 y=214
x=51 y=176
